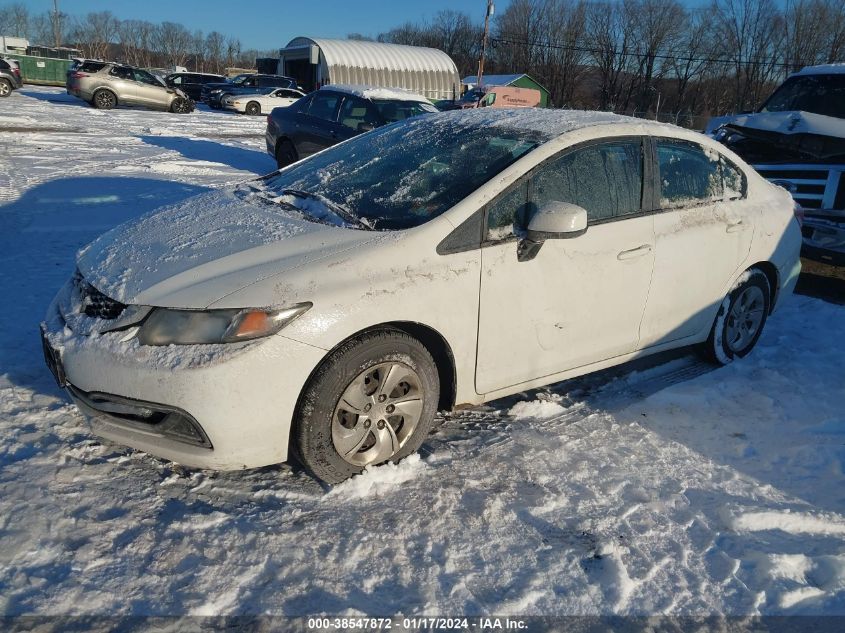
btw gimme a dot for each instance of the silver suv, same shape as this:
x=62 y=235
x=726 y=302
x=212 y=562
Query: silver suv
x=118 y=84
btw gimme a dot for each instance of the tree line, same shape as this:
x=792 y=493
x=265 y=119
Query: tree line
x=641 y=55
x=635 y=56
x=101 y=35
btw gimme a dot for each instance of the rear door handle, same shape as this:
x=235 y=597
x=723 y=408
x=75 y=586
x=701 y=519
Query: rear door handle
x=640 y=251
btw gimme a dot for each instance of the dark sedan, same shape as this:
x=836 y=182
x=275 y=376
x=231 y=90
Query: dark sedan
x=333 y=114
x=192 y=83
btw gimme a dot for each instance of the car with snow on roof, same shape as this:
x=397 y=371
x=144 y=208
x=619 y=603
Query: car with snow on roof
x=334 y=114
x=329 y=309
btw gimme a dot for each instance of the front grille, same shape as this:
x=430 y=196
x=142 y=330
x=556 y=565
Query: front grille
x=94 y=303
x=812 y=186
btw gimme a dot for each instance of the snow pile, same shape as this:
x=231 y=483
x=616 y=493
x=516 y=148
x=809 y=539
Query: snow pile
x=376 y=480
x=536 y=409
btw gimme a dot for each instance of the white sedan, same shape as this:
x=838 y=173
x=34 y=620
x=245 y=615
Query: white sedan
x=262 y=102
x=330 y=309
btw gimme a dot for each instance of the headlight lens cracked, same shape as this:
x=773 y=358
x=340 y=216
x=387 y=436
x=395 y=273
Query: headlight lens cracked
x=167 y=326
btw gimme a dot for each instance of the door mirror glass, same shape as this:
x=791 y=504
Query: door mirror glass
x=556 y=220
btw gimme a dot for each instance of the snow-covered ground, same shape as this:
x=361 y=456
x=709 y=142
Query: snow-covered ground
x=666 y=487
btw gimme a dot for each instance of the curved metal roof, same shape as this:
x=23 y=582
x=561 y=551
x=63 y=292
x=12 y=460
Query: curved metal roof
x=379 y=55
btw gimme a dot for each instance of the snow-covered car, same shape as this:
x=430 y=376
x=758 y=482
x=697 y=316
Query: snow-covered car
x=263 y=101
x=336 y=113
x=329 y=309
x=797 y=140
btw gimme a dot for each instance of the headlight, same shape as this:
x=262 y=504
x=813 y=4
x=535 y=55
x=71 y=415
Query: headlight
x=201 y=327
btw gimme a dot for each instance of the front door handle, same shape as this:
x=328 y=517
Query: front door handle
x=640 y=251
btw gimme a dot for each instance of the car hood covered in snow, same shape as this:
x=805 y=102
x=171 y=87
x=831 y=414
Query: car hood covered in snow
x=205 y=248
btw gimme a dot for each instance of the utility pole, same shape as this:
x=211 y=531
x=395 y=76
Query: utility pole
x=57 y=25
x=491 y=9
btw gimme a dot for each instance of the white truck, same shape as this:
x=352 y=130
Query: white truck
x=796 y=139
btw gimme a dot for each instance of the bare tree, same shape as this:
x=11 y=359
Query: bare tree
x=610 y=36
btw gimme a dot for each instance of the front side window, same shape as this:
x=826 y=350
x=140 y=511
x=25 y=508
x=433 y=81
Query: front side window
x=324 y=106
x=689 y=174
x=392 y=111
x=176 y=80
x=605 y=179
x=122 y=72
x=144 y=77
x=358 y=114
x=733 y=180
x=506 y=215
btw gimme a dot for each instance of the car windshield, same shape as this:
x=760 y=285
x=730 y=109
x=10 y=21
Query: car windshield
x=392 y=111
x=819 y=94
x=240 y=79
x=402 y=175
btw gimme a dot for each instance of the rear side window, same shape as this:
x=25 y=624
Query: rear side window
x=122 y=73
x=356 y=114
x=605 y=179
x=324 y=106
x=91 y=67
x=689 y=174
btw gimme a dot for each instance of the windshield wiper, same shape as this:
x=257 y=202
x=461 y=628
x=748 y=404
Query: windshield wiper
x=341 y=212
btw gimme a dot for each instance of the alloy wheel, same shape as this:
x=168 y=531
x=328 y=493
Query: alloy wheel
x=5 y=89
x=377 y=413
x=745 y=318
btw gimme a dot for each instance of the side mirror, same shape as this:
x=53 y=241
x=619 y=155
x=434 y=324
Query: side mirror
x=553 y=221
x=557 y=221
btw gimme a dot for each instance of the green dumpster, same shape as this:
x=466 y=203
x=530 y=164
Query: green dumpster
x=43 y=70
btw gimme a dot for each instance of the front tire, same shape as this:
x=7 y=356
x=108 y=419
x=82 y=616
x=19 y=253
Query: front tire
x=181 y=105
x=372 y=401
x=253 y=108
x=740 y=320
x=104 y=100
x=286 y=154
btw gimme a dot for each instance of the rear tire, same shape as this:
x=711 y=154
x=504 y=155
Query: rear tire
x=373 y=400
x=5 y=87
x=285 y=154
x=740 y=320
x=104 y=100
x=253 y=108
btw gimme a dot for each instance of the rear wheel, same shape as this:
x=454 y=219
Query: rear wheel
x=104 y=100
x=253 y=108
x=285 y=154
x=372 y=401
x=740 y=320
x=5 y=87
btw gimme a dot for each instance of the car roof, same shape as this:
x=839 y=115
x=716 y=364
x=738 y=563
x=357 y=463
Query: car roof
x=824 y=69
x=376 y=92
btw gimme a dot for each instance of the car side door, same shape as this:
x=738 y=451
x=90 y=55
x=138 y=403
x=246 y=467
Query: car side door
x=150 y=91
x=703 y=232
x=357 y=115
x=122 y=82
x=576 y=301
x=316 y=125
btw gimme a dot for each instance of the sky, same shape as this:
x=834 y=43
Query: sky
x=271 y=24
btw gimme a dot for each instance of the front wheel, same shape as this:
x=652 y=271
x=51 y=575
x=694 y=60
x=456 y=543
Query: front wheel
x=740 y=320
x=181 y=105
x=372 y=401
x=285 y=154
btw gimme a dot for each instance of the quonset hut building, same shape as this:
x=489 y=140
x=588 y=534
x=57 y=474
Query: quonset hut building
x=317 y=62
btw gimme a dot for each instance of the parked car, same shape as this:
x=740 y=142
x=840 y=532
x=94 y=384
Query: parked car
x=118 y=84
x=796 y=139
x=214 y=93
x=329 y=309
x=333 y=114
x=192 y=83
x=496 y=97
x=264 y=101
x=10 y=77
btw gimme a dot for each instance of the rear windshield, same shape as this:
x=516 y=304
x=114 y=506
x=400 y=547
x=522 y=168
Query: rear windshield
x=402 y=175
x=819 y=94
x=392 y=111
